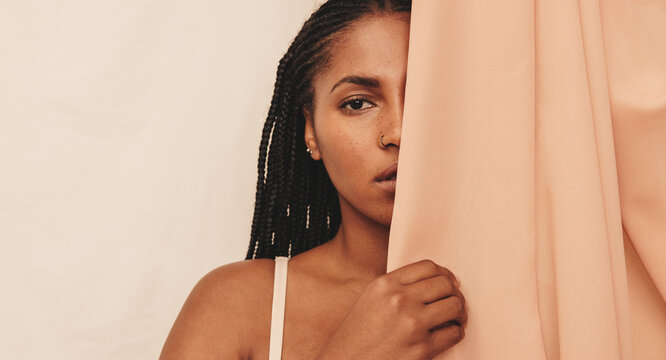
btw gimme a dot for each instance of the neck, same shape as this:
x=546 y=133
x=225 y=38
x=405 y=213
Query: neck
x=359 y=250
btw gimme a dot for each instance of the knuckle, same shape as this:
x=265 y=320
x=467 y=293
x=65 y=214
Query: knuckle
x=457 y=333
x=382 y=283
x=397 y=300
x=448 y=285
x=411 y=324
x=457 y=304
x=429 y=263
x=448 y=273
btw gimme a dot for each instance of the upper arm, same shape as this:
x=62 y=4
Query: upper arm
x=210 y=325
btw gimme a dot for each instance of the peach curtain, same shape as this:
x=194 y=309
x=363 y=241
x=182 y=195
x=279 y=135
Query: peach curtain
x=533 y=165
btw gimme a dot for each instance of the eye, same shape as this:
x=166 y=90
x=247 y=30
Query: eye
x=356 y=104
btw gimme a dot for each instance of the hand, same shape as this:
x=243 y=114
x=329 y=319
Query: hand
x=411 y=313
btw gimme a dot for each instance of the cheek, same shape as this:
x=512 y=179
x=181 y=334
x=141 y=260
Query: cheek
x=345 y=152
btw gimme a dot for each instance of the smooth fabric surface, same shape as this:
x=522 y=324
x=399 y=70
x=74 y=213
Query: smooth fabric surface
x=533 y=165
x=277 y=310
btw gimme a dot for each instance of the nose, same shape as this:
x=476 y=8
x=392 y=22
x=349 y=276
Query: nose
x=391 y=124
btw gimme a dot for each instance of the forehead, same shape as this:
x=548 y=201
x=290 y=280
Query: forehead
x=373 y=44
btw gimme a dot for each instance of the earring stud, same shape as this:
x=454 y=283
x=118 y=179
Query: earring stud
x=310 y=151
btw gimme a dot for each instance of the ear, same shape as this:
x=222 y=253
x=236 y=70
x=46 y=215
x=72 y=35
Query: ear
x=310 y=138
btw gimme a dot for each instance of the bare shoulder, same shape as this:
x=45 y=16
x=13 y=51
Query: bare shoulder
x=221 y=312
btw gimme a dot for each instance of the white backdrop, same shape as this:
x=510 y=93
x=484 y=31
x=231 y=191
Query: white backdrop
x=129 y=134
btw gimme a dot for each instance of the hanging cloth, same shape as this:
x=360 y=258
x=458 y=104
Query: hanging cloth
x=533 y=166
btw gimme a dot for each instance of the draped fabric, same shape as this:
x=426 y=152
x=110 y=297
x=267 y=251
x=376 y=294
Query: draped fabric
x=533 y=166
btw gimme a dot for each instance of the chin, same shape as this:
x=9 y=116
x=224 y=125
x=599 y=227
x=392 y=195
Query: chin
x=385 y=219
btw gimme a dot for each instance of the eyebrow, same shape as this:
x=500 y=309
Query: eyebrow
x=358 y=80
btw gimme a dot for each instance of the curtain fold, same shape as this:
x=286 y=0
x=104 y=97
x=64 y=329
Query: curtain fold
x=533 y=165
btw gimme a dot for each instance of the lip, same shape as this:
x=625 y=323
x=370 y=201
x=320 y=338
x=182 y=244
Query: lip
x=387 y=185
x=388 y=172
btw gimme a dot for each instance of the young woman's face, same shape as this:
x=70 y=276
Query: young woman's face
x=351 y=116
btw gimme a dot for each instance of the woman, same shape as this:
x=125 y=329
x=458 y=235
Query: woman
x=326 y=203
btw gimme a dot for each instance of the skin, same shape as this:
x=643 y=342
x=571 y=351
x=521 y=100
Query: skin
x=227 y=314
x=347 y=140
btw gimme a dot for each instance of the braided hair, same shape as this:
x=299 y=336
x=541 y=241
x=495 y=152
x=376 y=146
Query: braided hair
x=296 y=205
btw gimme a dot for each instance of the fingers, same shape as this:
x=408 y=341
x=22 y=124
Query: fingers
x=445 y=311
x=420 y=270
x=444 y=338
x=433 y=288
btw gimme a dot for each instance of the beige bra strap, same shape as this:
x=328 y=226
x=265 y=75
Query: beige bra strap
x=277 y=312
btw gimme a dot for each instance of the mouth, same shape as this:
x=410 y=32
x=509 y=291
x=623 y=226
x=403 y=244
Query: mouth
x=386 y=180
x=388 y=185
x=390 y=173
